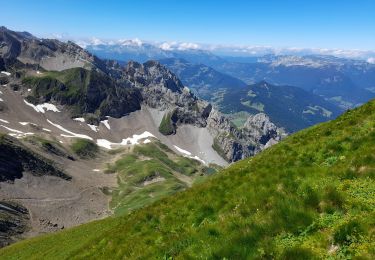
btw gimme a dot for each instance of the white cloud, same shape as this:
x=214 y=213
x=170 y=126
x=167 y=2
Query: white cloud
x=167 y=46
x=371 y=60
x=133 y=42
x=188 y=46
x=181 y=46
x=229 y=50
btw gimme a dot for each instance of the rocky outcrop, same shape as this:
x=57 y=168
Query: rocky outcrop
x=14 y=221
x=161 y=89
x=235 y=144
x=15 y=159
x=49 y=54
x=86 y=92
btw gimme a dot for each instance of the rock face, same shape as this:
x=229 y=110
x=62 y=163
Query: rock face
x=49 y=54
x=235 y=144
x=161 y=89
x=14 y=220
x=86 y=91
x=16 y=159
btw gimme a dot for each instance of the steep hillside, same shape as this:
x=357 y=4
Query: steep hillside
x=150 y=172
x=89 y=93
x=310 y=196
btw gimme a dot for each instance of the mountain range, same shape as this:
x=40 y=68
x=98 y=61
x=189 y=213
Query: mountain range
x=83 y=138
x=342 y=82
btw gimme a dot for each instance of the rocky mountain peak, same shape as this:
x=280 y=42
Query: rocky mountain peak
x=261 y=121
x=152 y=73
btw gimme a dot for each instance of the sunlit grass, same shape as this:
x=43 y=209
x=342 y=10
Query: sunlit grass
x=309 y=197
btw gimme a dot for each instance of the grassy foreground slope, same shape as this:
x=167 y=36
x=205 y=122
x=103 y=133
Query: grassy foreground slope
x=311 y=196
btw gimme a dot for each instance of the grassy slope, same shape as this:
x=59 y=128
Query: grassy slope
x=145 y=163
x=166 y=126
x=311 y=196
x=85 y=148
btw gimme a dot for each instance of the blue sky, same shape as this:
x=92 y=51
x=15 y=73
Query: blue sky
x=347 y=24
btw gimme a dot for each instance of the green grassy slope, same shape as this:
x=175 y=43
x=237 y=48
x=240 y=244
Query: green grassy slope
x=150 y=172
x=311 y=196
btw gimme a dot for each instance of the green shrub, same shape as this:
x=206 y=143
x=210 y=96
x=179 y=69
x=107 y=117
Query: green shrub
x=298 y=253
x=348 y=233
x=167 y=126
x=85 y=148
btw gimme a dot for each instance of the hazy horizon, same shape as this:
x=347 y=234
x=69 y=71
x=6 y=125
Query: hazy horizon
x=288 y=24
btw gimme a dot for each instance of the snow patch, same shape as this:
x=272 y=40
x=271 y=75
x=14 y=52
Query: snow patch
x=42 y=108
x=6 y=73
x=71 y=134
x=93 y=127
x=1 y=100
x=105 y=143
x=16 y=133
x=188 y=154
x=79 y=119
x=198 y=159
x=128 y=141
x=29 y=89
x=46 y=129
x=38 y=72
x=147 y=141
x=106 y=123
x=95 y=170
x=182 y=150
x=136 y=138
x=4 y=121
x=27 y=123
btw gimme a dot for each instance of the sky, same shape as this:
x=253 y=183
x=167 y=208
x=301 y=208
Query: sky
x=345 y=24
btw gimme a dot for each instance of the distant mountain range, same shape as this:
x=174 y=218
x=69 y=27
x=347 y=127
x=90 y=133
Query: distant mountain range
x=287 y=106
x=203 y=80
x=344 y=82
x=334 y=84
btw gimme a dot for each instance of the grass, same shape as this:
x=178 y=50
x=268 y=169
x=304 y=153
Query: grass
x=84 y=148
x=153 y=161
x=67 y=85
x=166 y=126
x=312 y=196
x=239 y=118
